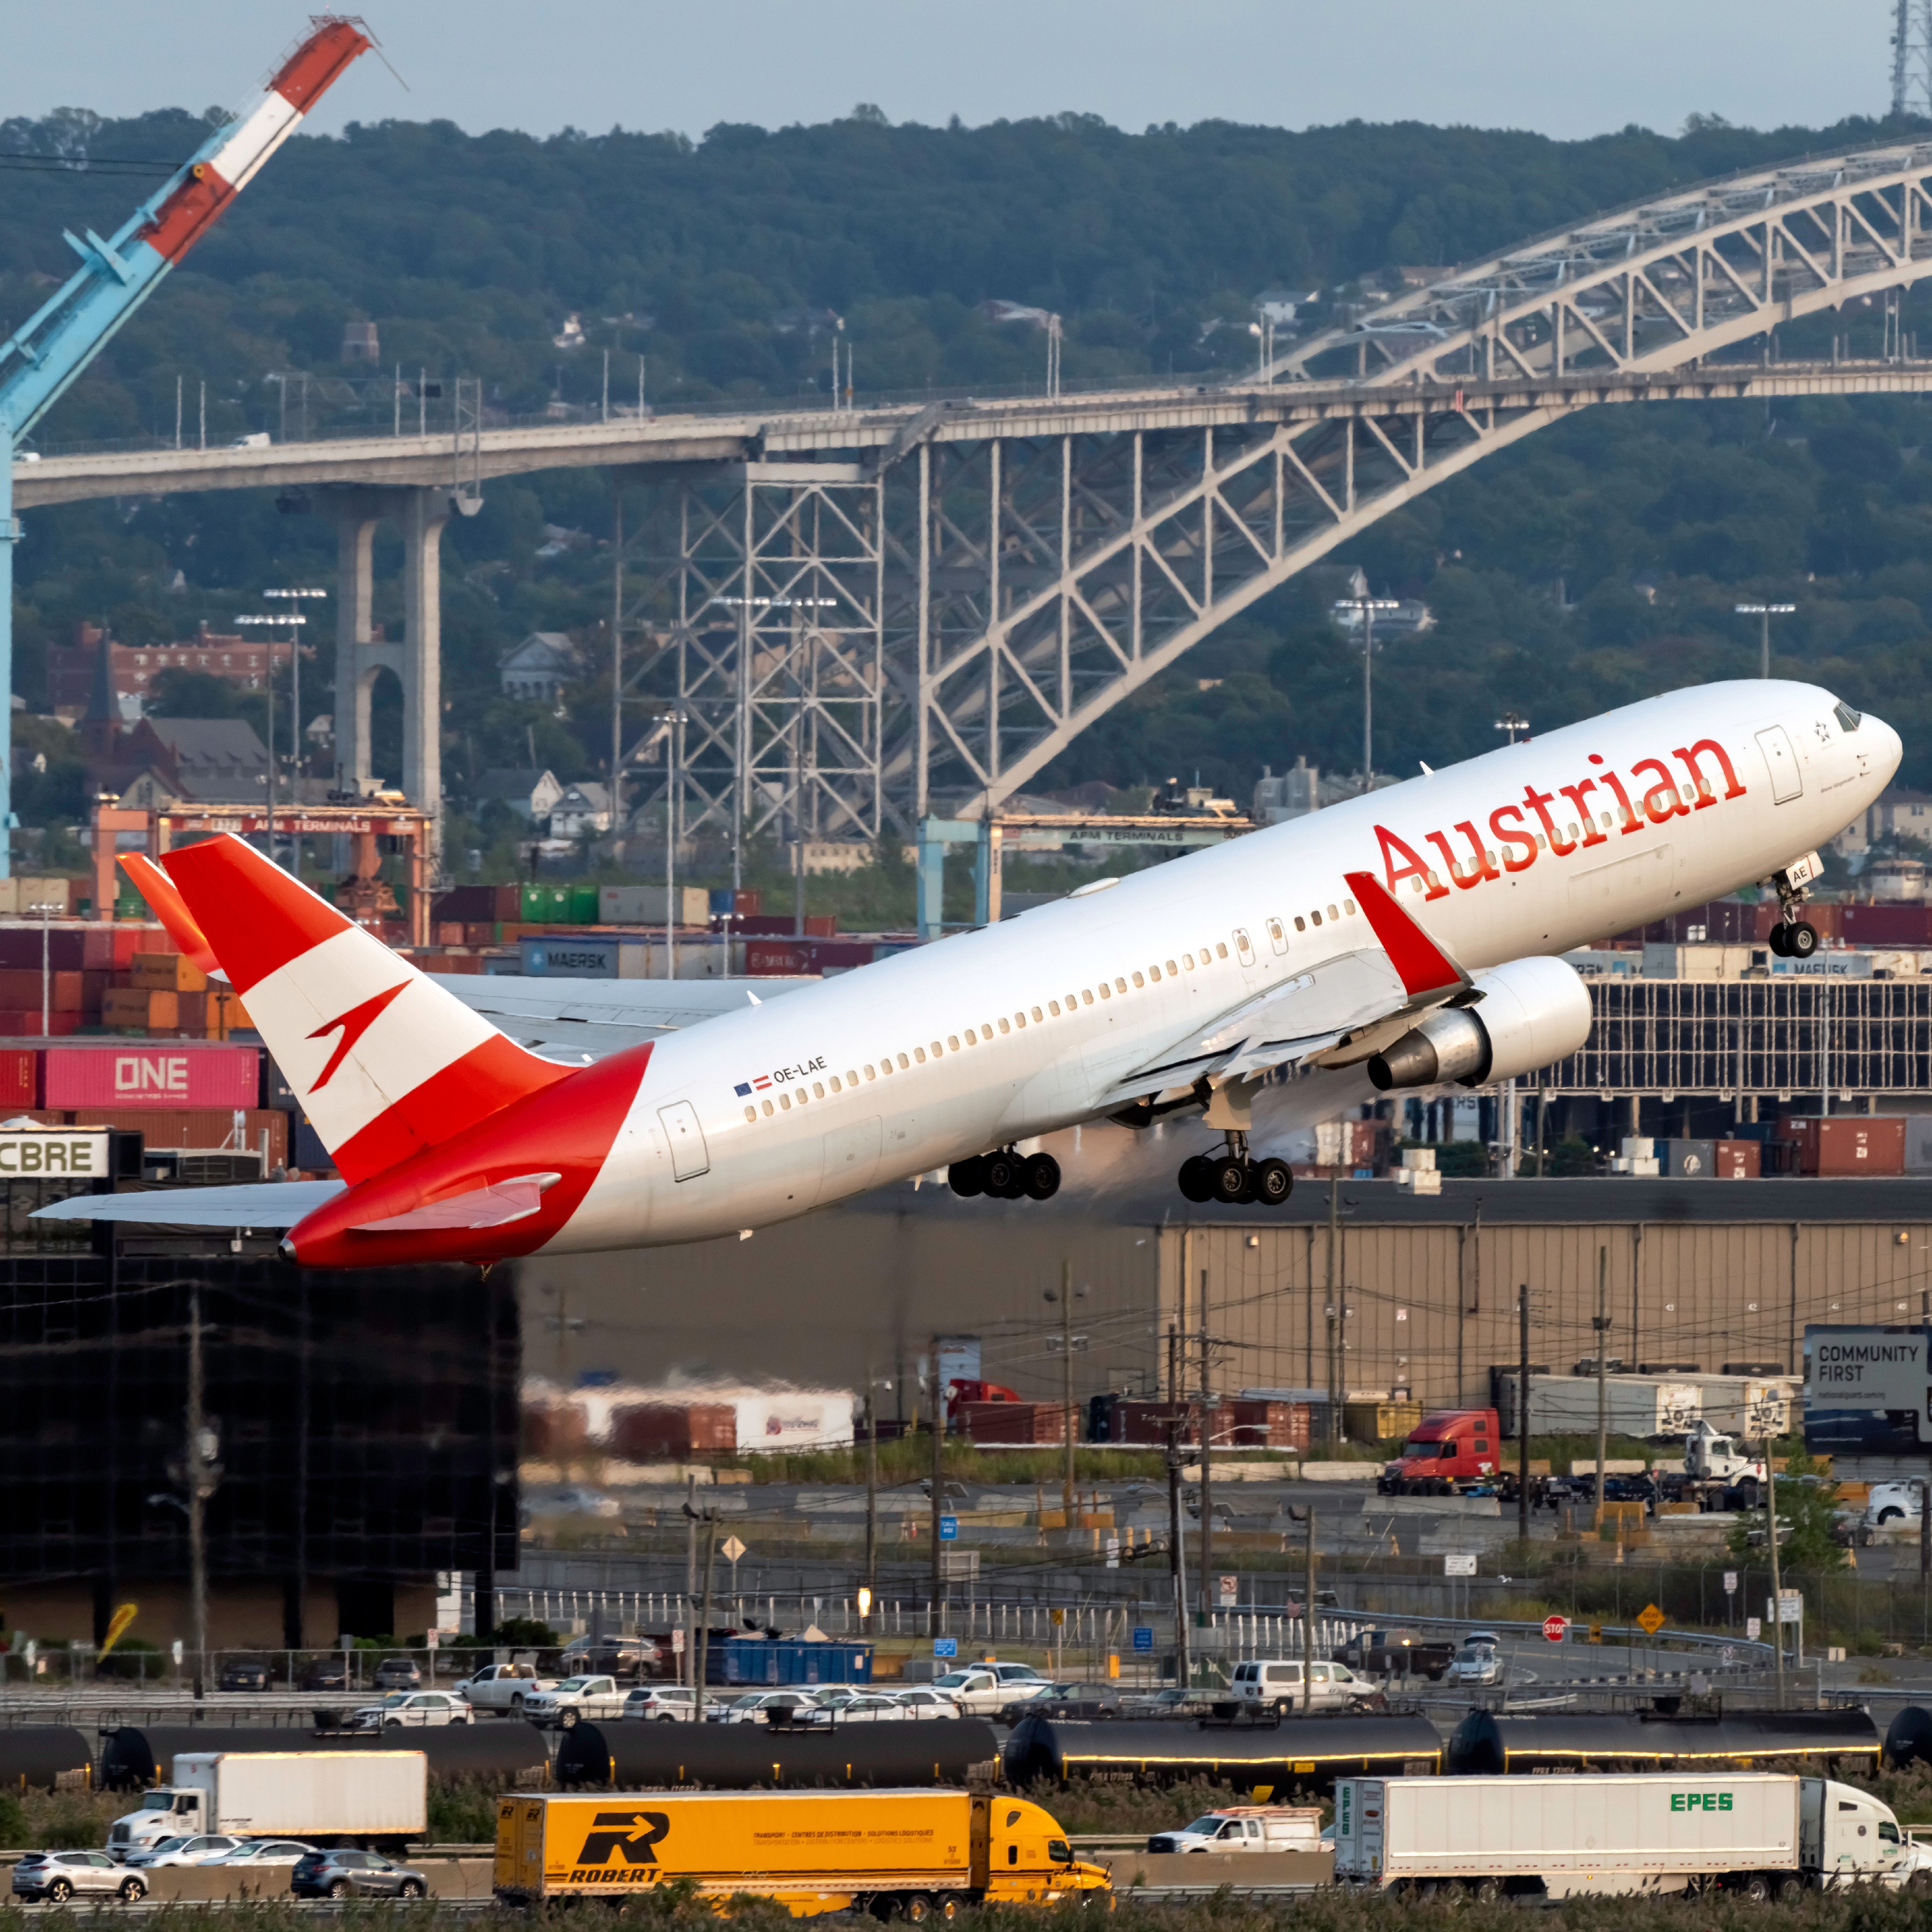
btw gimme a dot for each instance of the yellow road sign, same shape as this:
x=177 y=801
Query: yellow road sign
x=1056 y=1616
x=1651 y=1619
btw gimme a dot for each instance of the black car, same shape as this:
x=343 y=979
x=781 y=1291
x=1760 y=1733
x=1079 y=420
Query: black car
x=350 y=1874
x=325 y=1673
x=244 y=1673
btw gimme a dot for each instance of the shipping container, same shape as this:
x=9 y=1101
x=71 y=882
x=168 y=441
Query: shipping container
x=362 y=1794
x=140 y=1009
x=19 y=897
x=1847 y=1144
x=1008 y=1424
x=1690 y=1160
x=1758 y=1834
x=1891 y=925
x=1737 y=1160
x=775 y=1660
x=647 y=1431
x=477 y=904
x=545 y=905
x=128 y=1075
x=1260 y=1423
x=24 y=1023
x=914 y=1855
x=1636 y=1405
x=21 y=990
x=186 y=1127
x=167 y=972
x=1145 y=1422
x=93 y=945
x=1376 y=1421
x=20 y=1077
x=555 y=1428
x=644 y=905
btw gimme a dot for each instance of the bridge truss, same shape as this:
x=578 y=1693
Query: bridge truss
x=1037 y=563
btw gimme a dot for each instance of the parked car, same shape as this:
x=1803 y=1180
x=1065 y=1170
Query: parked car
x=661 y=1704
x=1247 y=1828
x=203 y=1848
x=1173 y=1702
x=923 y=1702
x=257 y=1853
x=402 y=1708
x=350 y=1874
x=324 y=1673
x=566 y=1705
x=612 y=1656
x=1274 y=1684
x=760 y=1707
x=397 y=1673
x=503 y=1686
x=1475 y=1663
x=861 y=1710
x=60 y=1876
x=244 y=1673
x=976 y=1690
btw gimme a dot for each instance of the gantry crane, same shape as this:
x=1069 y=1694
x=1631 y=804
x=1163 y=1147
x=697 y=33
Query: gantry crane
x=41 y=359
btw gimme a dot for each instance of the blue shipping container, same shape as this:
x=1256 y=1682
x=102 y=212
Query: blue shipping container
x=758 y=1661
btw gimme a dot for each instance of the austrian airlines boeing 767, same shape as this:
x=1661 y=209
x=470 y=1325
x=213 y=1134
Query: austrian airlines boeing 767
x=1412 y=932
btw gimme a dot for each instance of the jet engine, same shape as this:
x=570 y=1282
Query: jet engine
x=1532 y=1012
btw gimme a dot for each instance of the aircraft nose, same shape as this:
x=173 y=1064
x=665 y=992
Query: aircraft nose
x=1887 y=748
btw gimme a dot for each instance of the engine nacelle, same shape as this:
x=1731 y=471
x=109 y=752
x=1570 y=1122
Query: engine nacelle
x=1532 y=1012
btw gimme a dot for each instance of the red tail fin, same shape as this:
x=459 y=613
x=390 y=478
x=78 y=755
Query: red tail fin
x=385 y=1061
x=166 y=903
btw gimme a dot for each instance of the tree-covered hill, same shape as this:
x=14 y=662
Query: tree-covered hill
x=1597 y=562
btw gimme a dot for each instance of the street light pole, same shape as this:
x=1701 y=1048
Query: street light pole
x=1764 y=613
x=46 y=910
x=1365 y=606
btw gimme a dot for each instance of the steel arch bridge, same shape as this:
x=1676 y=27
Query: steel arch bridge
x=974 y=586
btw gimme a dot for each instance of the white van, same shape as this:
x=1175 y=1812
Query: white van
x=1247 y=1828
x=1274 y=1684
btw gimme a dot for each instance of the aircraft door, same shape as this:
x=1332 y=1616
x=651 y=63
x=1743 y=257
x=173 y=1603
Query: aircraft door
x=689 y=1157
x=1786 y=782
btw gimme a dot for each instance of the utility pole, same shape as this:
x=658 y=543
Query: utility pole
x=1925 y=1478
x=1334 y=1239
x=1602 y=1325
x=702 y=1666
x=1522 y=1414
x=871 y=1494
x=1308 y=1625
x=937 y=1616
x=1176 y=1567
x=198 y=1470
x=1066 y=1388
x=690 y=1570
x=1770 y=1537
x=1205 y=1433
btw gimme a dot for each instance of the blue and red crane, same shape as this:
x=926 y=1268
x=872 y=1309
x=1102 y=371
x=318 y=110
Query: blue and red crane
x=44 y=357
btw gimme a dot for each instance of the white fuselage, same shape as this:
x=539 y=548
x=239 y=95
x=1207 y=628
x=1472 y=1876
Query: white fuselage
x=1004 y=1033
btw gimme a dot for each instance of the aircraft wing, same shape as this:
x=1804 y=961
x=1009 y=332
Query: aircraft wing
x=254 y=1203
x=1339 y=1010
x=583 y=1019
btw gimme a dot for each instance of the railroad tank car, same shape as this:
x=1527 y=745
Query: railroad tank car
x=1908 y=1739
x=45 y=1757
x=144 y=1754
x=1291 y=1754
x=1488 y=1743
x=726 y=1757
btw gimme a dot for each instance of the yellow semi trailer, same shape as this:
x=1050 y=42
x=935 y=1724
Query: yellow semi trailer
x=917 y=1855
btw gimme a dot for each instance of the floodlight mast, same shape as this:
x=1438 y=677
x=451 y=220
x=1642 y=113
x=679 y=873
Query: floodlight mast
x=1765 y=612
x=43 y=359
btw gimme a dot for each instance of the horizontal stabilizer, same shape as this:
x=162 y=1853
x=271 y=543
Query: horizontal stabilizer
x=257 y=1203
x=494 y=1206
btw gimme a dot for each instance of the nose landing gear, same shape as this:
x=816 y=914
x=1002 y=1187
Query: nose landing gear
x=1006 y=1175
x=1233 y=1179
x=1793 y=937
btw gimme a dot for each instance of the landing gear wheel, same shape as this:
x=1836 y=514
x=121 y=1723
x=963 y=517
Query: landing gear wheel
x=1248 y=1184
x=1197 y=1177
x=1040 y=1177
x=1274 y=1182
x=1003 y=1176
x=1231 y=1178
x=1801 y=939
x=1779 y=940
x=967 y=1177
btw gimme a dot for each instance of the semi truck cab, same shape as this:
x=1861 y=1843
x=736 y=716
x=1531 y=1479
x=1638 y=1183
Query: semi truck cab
x=165 y=1812
x=1454 y=1445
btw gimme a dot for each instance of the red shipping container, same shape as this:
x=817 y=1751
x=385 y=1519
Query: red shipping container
x=21 y=990
x=1885 y=924
x=1146 y=1422
x=1838 y=1144
x=131 y=1074
x=556 y=1429
x=187 y=1127
x=20 y=1077
x=480 y=935
x=1008 y=1422
x=1738 y=1160
x=24 y=1023
x=641 y=1432
x=1262 y=1424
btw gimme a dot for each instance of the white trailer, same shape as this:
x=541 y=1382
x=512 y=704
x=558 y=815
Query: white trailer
x=1757 y=1833
x=1641 y=1406
x=370 y=1798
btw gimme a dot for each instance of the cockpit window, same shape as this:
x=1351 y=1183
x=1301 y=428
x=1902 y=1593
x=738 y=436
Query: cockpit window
x=1848 y=719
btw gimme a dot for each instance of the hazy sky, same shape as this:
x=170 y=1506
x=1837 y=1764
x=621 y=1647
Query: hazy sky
x=1561 y=67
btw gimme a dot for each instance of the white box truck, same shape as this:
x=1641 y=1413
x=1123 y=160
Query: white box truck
x=378 y=1799
x=1757 y=1834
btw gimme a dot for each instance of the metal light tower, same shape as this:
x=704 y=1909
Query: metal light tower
x=1764 y=612
x=1365 y=608
x=295 y=718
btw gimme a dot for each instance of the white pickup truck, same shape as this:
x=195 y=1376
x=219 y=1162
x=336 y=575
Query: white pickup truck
x=565 y=1706
x=502 y=1687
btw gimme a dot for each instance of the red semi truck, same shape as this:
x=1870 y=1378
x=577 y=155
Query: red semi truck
x=1445 y=1450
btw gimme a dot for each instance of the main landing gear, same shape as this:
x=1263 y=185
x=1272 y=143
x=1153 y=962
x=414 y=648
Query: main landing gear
x=1794 y=939
x=1232 y=1178
x=1005 y=1175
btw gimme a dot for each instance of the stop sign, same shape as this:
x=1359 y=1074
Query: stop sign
x=1556 y=1628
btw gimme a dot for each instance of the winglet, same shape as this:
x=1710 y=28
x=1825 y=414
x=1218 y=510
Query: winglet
x=166 y=903
x=1424 y=967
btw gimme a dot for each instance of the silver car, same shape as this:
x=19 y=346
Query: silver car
x=60 y=1876
x=760 y=1707
x=258 y=1853
x=1476 y=1663
x=661 y=1704
x=403 y=1708
x=204 y=1848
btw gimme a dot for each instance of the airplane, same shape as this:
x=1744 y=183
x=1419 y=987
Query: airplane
x=1412 y=933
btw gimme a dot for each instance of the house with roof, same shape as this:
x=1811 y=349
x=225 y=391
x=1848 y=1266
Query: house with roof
x=540 y=667
x=583 y=808
x=531 y=795
x=203 y=760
